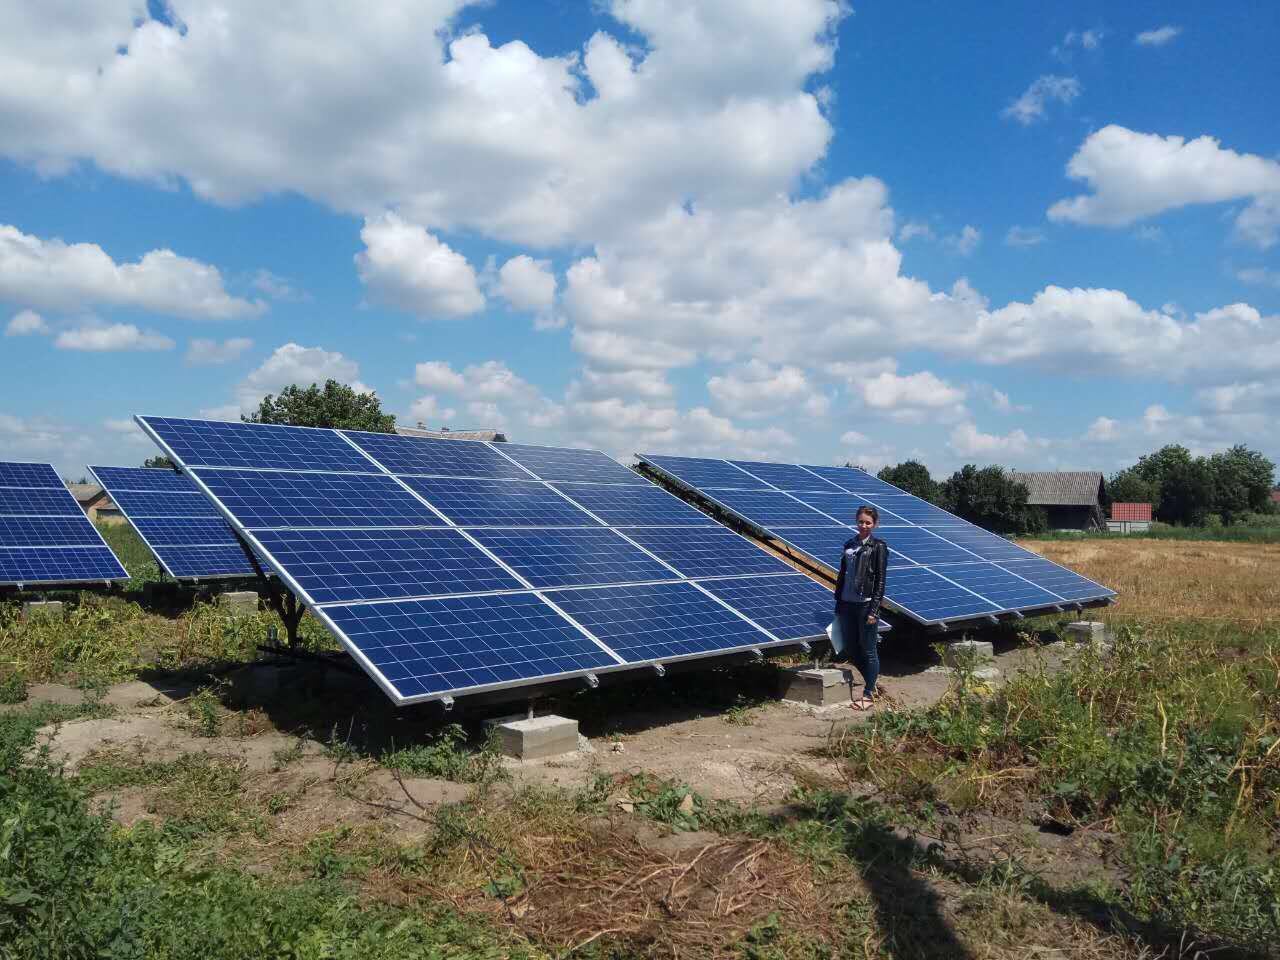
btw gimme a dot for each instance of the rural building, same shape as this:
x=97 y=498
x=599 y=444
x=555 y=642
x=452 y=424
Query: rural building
x=95 y=503
x=1072 y=500
x=1275 y=497
x=493 y=436
x=1129 y=517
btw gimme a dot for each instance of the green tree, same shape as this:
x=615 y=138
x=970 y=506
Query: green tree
x=1242 y=480
x=162 y=462
x=1129 y=486
x=1185 y=484
x=913 y=477
x=334 y=405
x=991 y=499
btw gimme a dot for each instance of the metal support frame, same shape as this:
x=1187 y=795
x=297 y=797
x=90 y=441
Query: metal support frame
x=285 y=604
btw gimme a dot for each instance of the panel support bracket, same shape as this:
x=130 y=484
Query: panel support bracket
x=591 y=680
x=285 y=604
x=659 y=669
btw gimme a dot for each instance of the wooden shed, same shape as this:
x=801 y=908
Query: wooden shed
x=1071 y=499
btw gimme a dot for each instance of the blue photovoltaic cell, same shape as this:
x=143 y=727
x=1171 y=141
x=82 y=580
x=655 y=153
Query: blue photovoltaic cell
x=337 y=566
x=1003 y=588
x=29 y=475
x=170 y=503
x=426 y=647
x=987 y=545
x=176 y=531
x=790 y=606
x=823 y=544
x=844 y=507
x=216 y=444
x=283 y=499
x=771 y=508
x=914 y=509
x=28 y=565
x=628 y=506
x=38 y=503
x=155 y=479
x=931 y=598
x=204 y=561
x=562 y=463
x=854 y=480
x=707 y=474
x=922 y=547
x=1066 y=584
x=499 y=503
x=657 y=621
x=785 y=476
x=48 y=532
x=430 y=456
x=572 y=556
x=706 y=551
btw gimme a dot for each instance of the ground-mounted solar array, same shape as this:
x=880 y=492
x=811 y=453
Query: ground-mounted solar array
x=449 y=567
x=176 y=521
x=45 y=538
x=942 y=569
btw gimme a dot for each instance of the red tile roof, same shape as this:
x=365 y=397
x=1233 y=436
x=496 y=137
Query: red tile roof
x=1131 y=511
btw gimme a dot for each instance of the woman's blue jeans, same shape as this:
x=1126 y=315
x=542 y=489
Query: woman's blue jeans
x=861 y=638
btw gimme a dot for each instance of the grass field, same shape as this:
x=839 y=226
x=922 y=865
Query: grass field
x=1105 y=806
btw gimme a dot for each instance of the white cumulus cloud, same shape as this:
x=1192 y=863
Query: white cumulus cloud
x=206 y=352
x=528 y=284
x=757 y=389
x=405 y=267
x=1157 y=37
x=1031 y=106
x=111 y=337
x=1136 y=175
x=24 y=323
x=72 y=277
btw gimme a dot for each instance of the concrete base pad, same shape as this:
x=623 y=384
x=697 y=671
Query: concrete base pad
x=537 y=738
x=34 y=609
x=816 y=687
x=978 y=653
x=239 y=603
x=1091 y=633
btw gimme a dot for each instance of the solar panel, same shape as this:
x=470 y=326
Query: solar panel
x=707 y=474
x=499 y=503
x=433 y=457
x=562 y=463
x=288 y=499
x=941 y=566
x=572 y=556
x=658 y=621
x=771 y=508
x=853 y=480
x=178 y=523
x=844 y=507
x=216 y=444
x=785 y=476
x=45 y=537
x=790 y=605
x=441 y=584
x=417 y=649
x=706 y=551
x=1059 y=580
x=631 y=506
x=337 y=566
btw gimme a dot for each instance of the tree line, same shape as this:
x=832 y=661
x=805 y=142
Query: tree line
x=1185 y=490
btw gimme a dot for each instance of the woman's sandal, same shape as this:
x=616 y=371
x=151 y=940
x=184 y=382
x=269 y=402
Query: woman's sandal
x=866 y=703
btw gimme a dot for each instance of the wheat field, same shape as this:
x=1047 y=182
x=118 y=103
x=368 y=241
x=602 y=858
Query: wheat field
x=1177 y=580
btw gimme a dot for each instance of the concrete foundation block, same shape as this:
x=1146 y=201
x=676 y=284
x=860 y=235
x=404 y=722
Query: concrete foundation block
x=239 y=603
x=1089 y=633
x=816 y=687
x=975 y=653
x=42 y=609
x=537 y=738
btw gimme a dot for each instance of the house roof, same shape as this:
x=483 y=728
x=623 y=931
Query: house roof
x=493 y=435
x=1072 y=488
x=1131 y=511
x=87 y=493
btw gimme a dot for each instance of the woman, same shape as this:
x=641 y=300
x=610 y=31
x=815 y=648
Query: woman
x=859 y=592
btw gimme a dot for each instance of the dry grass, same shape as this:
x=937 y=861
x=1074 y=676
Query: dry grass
x=1168 y=580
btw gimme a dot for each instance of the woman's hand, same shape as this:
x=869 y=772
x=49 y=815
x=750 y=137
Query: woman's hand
x=871 y=620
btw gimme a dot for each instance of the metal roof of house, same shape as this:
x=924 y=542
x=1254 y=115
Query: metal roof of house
x=493 y=436
x=1073 y=488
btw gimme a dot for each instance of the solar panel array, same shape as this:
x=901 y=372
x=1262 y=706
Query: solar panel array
x=941 y=569
x=452 y=566
x=45 y=538
x=176 y=521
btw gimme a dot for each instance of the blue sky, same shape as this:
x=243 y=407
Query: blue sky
x=1046 y=238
